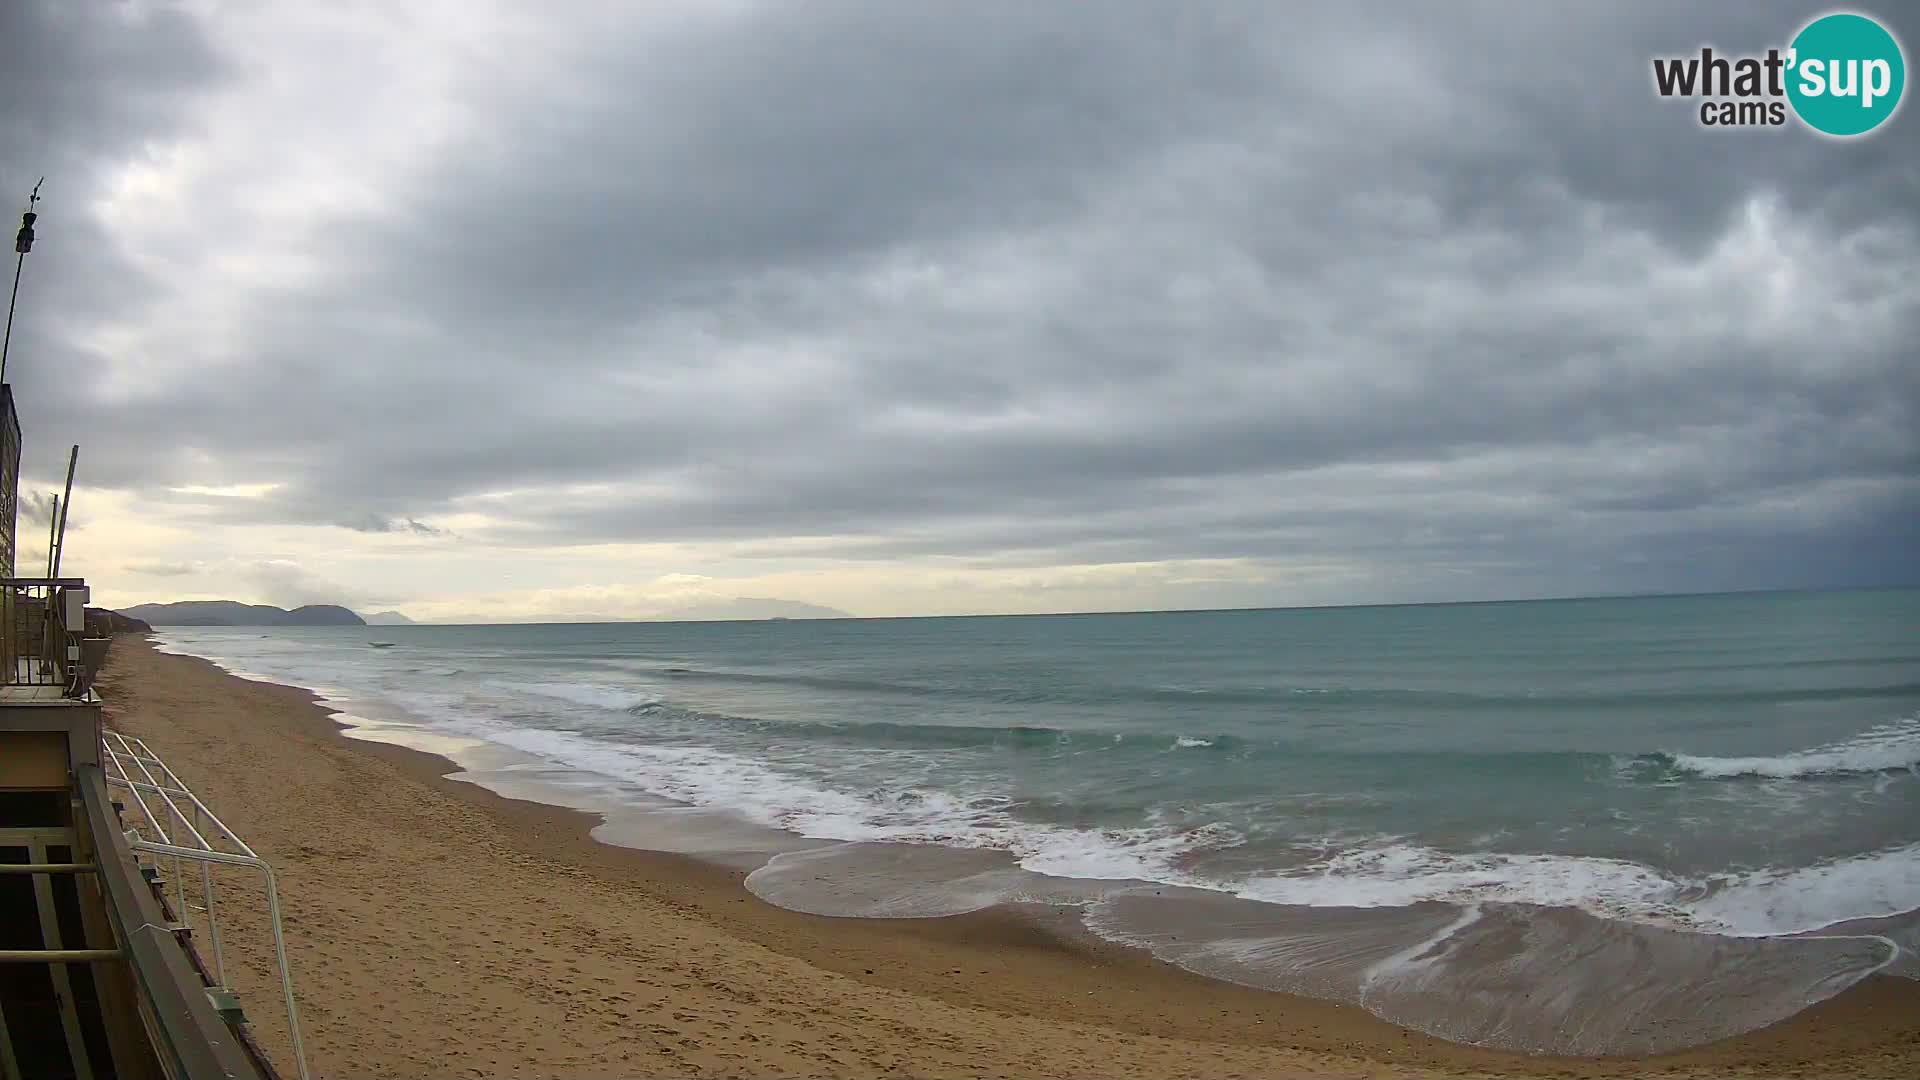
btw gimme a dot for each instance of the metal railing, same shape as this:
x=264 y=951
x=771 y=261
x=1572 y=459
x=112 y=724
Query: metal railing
x=197 y=837
x=177 y=1013
x=42 y=625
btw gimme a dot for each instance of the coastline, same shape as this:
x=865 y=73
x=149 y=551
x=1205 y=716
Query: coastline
x=418 y=902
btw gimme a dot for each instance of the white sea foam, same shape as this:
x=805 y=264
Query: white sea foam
x=1399 y=874
x=1393 y=874
x=783 y=799
x=1761 y=903
x=1880 y=749
x=620 y=698
x=1120 y=854
x=1770 y=902
x=706 y=777
x=1383 y=872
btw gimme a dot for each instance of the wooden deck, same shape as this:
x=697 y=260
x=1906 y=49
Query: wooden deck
x=33 y=684
x=36 y=695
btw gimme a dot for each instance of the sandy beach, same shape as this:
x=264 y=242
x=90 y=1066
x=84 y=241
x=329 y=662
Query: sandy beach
x=437 y=930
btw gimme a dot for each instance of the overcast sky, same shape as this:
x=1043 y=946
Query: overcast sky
x=504 y=311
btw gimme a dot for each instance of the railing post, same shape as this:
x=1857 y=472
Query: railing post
x=36 y=636
x=9 y=670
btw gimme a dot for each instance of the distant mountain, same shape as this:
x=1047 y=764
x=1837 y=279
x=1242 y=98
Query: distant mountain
x=751 y=607
x=104 y=623
x=323 y=615
x=231 y=613
x=387 y=618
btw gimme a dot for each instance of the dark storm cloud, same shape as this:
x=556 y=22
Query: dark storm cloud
x=84 y=87
x=1444 y=287
x=85 y=82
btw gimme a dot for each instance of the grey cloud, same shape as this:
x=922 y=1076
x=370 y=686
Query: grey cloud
x=85 y=88
x=160 y=569
x=36 y=508
x=288 y=584
x=367 y=523
x=1021 y=285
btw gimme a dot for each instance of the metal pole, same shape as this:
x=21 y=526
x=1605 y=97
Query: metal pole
x=206 y=898
x=53 y=527
x=66 y=502
x=273 y=919
x=182 y=788
x=23 y=243
x=286 y=974
x=7 y=343
x=57 y=956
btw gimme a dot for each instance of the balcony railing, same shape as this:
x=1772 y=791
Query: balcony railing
x=43 y=638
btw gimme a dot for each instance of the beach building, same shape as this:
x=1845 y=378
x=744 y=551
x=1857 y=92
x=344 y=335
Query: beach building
x=110 y=959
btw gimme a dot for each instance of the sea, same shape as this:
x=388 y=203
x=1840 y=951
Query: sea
x=1592 y=826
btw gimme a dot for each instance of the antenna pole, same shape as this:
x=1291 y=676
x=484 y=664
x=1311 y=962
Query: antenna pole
x=66 y=503
x=22 y=243
x=7 y=342
x=53 y=526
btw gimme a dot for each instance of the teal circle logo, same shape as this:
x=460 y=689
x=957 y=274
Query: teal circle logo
x=1846 y=74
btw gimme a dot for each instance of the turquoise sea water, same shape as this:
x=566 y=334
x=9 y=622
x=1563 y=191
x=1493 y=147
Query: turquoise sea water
x=1732 y=771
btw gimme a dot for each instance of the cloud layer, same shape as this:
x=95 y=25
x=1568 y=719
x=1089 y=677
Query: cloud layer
x=935 y=308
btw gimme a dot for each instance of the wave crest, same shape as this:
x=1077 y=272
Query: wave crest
x=1401 y=874
x=1888 y=748
x=1761 y=903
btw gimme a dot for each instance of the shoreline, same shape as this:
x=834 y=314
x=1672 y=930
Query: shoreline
x=1005 y=989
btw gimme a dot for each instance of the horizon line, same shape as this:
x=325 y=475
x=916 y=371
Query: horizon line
x=1085 y=613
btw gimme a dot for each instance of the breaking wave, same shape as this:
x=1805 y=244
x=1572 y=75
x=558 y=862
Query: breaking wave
x=1387 y=873
x=1889 y=747
x=1760 y=903
x=641 y=739
x=784 y=799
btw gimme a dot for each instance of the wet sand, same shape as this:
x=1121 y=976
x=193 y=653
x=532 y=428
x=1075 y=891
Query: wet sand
x=436 y=929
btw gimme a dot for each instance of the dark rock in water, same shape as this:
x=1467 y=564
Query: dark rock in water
x=231 y=613
x=104 y=623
